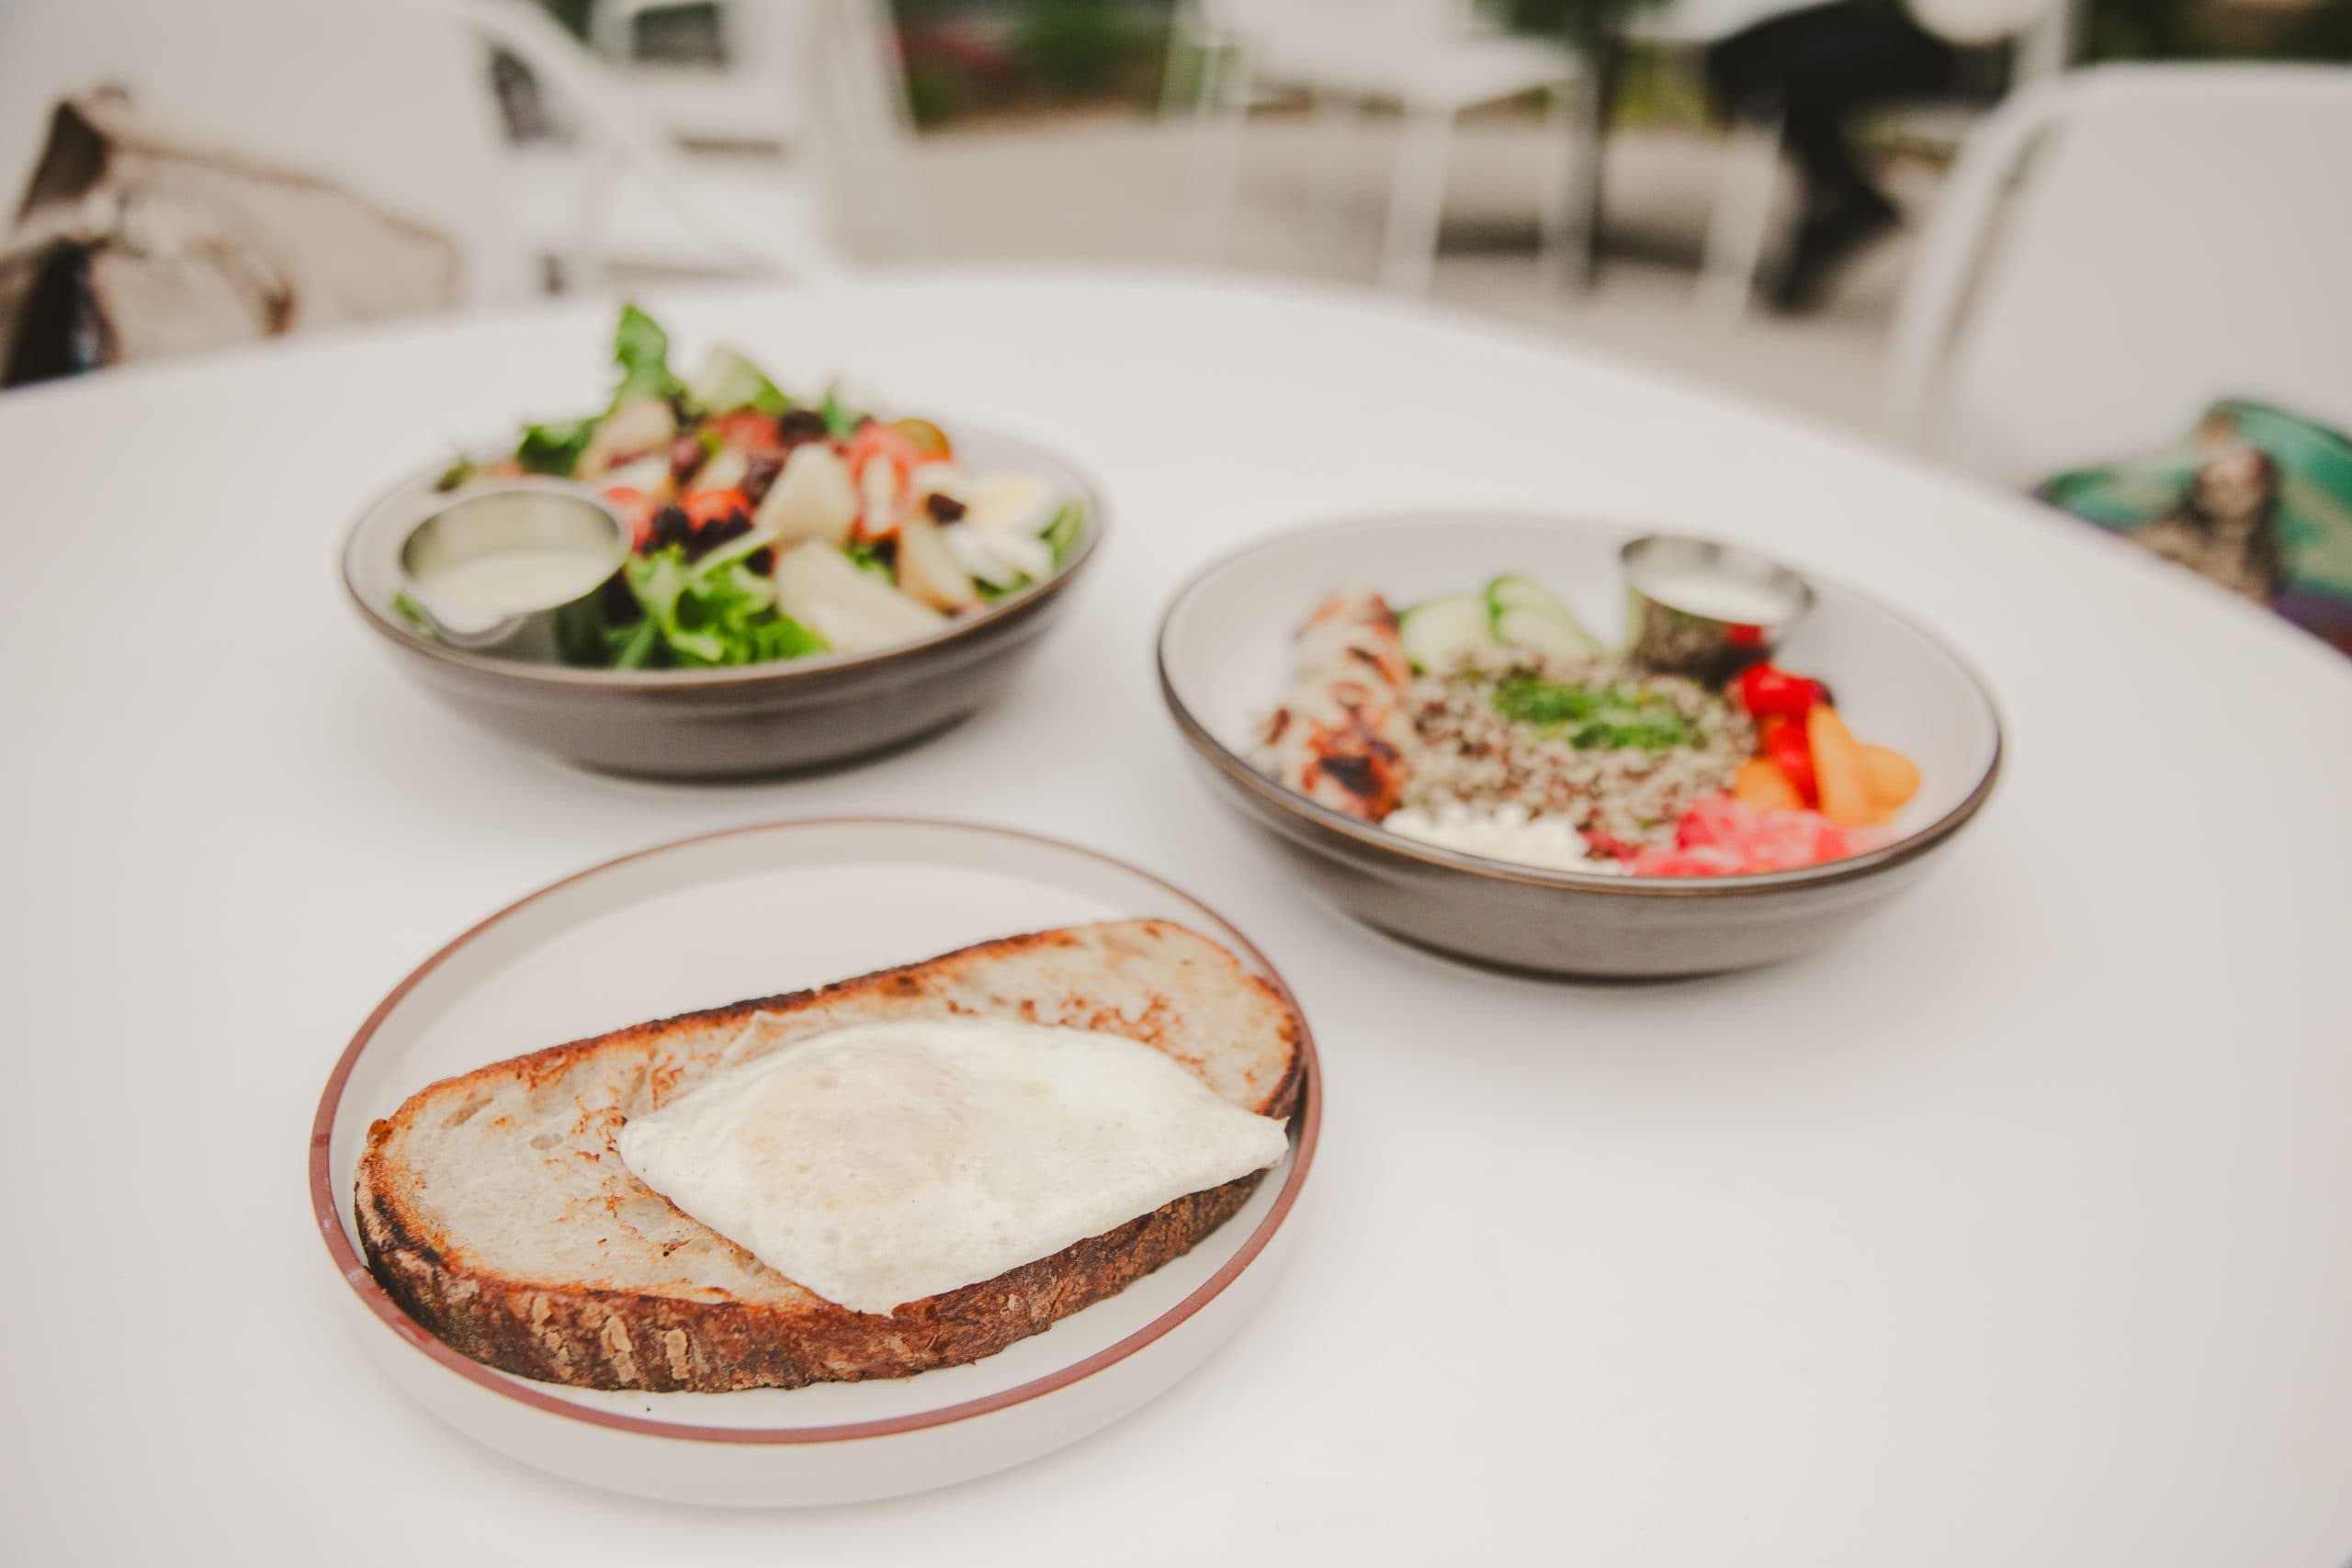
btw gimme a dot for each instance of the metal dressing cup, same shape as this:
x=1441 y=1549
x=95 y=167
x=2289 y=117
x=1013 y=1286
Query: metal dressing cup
x=513 y=569
x=1706 y=610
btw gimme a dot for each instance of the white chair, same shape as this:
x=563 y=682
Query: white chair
x=1739 y=225
x=2120 y=247
x=748 y=95
x=390 y=99
x=614 y=192
x=820 y=82
x=1428 y=59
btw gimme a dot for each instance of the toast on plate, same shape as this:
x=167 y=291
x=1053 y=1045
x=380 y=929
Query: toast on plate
x=494 y=1209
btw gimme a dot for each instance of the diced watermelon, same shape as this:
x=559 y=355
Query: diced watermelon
x=1721 y=835
x=1716 y=820
x=1702 y=861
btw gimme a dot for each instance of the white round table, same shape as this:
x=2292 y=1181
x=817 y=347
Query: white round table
x=2012 y=1229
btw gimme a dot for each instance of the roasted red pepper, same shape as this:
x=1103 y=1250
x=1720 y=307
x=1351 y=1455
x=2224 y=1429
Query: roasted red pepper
x=1770 y=691
x=1785 y=743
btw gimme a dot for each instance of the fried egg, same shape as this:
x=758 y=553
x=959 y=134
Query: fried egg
x=883 y=1162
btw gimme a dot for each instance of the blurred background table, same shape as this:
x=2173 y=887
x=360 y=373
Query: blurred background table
x=2011 y=1230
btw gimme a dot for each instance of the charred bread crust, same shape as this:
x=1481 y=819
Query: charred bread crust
x=588 y=1337
x=613 y=1339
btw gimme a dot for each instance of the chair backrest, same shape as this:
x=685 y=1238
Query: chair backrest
x=627 y=152
x=2117 y=247
x=391 y=102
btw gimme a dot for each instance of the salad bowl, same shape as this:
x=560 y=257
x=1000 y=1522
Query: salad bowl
x=1224 y=653
x=735 y=721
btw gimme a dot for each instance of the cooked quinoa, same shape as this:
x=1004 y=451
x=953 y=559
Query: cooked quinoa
x=1467 y=750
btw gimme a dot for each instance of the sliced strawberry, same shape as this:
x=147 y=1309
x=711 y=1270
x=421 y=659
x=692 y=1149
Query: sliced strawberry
x=749 y=430
x=710 y=506
x=636 y=511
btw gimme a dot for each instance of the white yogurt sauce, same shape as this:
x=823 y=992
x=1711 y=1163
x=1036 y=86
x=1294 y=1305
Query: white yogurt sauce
x=1506 y=832
x=1717 y=595
x=508 y=581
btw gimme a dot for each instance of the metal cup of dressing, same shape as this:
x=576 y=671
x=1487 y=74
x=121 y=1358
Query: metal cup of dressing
x=515 y=569
x=1706 y=610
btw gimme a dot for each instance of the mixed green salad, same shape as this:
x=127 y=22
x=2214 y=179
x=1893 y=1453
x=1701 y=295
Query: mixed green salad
x=766 y=527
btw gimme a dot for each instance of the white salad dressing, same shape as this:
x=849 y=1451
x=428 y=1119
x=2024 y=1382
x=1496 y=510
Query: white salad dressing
x=510 y=581
x=1506 y=832
x=884 y=1163
x=1718 y=595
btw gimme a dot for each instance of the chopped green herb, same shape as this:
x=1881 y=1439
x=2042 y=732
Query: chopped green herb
x=458 y=471
x=1614 y=717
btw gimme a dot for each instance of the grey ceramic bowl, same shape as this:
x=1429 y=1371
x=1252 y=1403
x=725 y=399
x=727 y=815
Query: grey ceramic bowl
x=757 y=721
x=1224 y=662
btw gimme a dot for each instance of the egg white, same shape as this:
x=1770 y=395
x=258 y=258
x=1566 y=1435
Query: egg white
x=883 y=1162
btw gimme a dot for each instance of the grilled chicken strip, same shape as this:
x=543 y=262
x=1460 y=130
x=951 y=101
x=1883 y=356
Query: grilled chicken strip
x=1339 y=740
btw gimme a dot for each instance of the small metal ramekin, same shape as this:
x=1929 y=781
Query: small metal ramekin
x=508 y=515
x=1678 y=639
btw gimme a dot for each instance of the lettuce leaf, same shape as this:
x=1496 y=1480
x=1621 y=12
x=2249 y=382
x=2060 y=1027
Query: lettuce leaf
x=729 y=380
x=642 y=351
x=841 y=420
x=409 y=610
x=864 y=557
x=1061 y=534
x=716 y=611
x=554 y=449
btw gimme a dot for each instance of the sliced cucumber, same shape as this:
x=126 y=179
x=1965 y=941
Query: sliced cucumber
x=1526 y=613
x=1437 y=632
x=1524 y=590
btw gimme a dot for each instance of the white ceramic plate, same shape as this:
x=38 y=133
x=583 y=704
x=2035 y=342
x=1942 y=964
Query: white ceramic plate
x=755 y=912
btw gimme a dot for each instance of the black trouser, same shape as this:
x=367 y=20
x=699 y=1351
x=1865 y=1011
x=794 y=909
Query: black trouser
x=1814 y=68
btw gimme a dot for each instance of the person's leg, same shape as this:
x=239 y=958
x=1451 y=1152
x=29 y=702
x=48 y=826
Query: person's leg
x=1813 y=128
x=1814 y=68
x=1841 y=59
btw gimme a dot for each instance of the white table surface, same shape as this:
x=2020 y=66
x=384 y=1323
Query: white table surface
x=2013 y=1230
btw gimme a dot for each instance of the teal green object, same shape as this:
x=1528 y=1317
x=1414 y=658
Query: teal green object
x=2310 y=520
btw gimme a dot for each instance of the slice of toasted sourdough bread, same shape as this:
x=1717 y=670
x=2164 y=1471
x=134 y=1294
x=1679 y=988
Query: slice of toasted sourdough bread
x=495 y=1212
